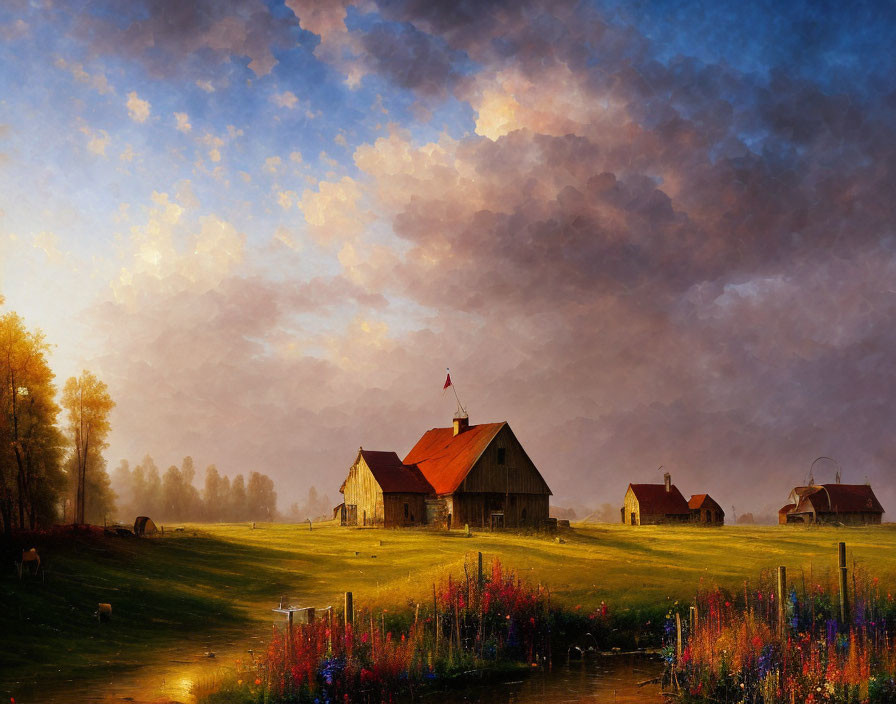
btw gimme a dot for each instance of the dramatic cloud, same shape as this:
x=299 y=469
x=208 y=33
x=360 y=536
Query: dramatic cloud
x=644 y=235
x=682 y=255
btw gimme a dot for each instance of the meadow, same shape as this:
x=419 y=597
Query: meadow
x=206 y=581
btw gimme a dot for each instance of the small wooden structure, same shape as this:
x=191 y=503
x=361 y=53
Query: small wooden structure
x=705 y=510
x=650 y=504
x=848 y=504
x=144 y=526
x=382 y=491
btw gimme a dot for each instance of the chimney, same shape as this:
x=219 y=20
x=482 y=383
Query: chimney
x=461 y=423
x=667 y=478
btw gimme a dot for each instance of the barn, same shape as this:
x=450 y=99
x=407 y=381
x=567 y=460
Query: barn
x=481 y=476
x=478 y=475
x=649 y=504
x=382 y=491
x=848 y=504
x=705 y=510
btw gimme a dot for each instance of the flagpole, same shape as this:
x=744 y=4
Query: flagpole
x=460 y=409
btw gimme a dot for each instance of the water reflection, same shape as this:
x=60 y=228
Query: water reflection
x=610 y=680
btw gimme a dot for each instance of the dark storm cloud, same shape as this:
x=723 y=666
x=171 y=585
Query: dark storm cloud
x=410 y=58
x=173 y=38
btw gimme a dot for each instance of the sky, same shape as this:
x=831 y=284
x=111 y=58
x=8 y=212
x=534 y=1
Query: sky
x=643 y=233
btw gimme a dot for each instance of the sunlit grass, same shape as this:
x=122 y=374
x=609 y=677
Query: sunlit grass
x=214 y=579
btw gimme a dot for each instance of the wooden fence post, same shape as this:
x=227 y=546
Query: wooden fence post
x=349 y=617
x=289 y=636
x=782 y=595
x=693 y=615
x=480 y=571
x=844 y=599
x=677 y=637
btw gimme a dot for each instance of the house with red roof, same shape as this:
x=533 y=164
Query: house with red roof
x=848 y=504
x=706 y=510
x=649 y=504
x=477 y=475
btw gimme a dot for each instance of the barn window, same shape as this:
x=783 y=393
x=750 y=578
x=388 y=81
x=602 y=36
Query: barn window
x=406 y=511
x=502 y=455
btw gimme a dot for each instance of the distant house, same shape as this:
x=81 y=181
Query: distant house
x=647 y=504
x=705 y=510
x=851 y=504
x=478 y=475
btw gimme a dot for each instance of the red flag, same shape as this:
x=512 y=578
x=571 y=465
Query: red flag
x=447 y=382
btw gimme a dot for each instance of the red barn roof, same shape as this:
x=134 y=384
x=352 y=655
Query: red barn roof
x=654 y=499
x=696 y=501
x=445 y=459
x=840 y=498
x=393 y=476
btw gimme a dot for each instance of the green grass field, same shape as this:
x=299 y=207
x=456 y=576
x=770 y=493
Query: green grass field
x=224 y=579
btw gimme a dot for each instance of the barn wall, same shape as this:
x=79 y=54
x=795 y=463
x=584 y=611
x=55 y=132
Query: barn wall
x=363 y=491
x=630 y=506
x=651 y=519
x=850 y=519
x=519 y=510
x=393 y=510
x=707 y=516
x=518 y=474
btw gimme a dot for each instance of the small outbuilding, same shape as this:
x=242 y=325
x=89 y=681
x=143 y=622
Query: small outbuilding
x=144 y=526
x=783 y=511
x=650 y=504
x=705 y=510
x=381 y=491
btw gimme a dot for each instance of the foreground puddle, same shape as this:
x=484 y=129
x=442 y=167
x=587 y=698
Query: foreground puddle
x=610 y=680
x=598 y=680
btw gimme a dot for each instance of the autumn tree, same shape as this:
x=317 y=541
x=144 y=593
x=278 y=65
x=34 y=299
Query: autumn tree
x=30 y=444
x=88 y=403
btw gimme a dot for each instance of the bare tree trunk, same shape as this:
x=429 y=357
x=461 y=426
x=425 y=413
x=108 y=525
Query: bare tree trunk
x=20 y=483
x=83 y=476
x=20 y=478
x=6 y=511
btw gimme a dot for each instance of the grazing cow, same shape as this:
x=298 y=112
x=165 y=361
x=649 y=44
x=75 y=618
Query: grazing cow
x=103 y=612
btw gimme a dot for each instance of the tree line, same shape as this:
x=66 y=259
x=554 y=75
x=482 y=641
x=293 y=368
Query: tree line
x=50 y=468
x=173 y=496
